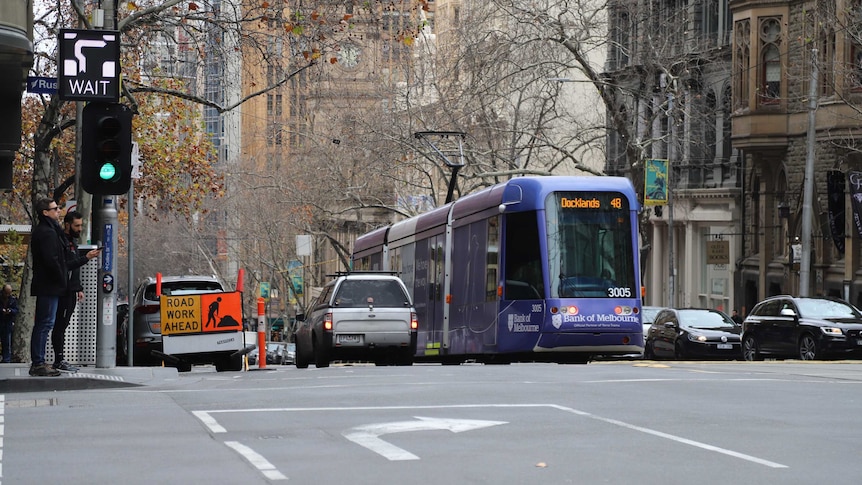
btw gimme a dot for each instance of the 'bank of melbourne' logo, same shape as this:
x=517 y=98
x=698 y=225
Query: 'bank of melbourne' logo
x=90 y=65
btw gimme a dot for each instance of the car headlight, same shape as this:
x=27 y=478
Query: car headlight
x=832 y=331
x=696 y=338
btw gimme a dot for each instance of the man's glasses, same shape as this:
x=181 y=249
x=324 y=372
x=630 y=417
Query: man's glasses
x=52 y=209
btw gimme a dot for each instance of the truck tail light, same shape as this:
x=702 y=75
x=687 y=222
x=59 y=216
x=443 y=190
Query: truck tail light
x=414 y=324
x=327 y=322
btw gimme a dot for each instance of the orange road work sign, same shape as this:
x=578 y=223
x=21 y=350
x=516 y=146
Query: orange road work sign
x=208 y=312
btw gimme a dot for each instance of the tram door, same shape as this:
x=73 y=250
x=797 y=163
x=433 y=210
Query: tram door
x=436 y=266
x=428 y=293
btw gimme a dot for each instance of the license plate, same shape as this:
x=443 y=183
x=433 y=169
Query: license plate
x=349 y=339
x=725 y=346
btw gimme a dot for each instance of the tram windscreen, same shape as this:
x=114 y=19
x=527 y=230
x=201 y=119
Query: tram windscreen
x=590 y=245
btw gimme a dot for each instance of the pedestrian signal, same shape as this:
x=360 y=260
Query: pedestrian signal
x=106 y=149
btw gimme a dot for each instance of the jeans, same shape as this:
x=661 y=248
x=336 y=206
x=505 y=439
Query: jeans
x=6 y=340
x=46 y=311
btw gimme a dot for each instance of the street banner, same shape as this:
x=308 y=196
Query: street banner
x=835 y=192
x=855 y=180
x=655 y=182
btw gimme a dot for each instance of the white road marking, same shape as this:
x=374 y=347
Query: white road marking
x=212 y=424
x=368 y=436
x=671 y=437
x=259 y=462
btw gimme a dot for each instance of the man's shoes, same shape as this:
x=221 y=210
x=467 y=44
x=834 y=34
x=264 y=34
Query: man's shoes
x=43 y=370
x=65 y=366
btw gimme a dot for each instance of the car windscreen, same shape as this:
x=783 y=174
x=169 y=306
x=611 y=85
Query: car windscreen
x=362 y=293
x=704 y=319
x=826 y=309
x=183 y=288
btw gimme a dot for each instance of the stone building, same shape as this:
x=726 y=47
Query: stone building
x=773 y=60
x=670 y=64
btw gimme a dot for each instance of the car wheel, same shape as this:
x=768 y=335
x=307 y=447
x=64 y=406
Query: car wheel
x=807 y=347
x=678 y=352
x=750 y=350
x=648 y=352
x=321 y=357
x=301 y=360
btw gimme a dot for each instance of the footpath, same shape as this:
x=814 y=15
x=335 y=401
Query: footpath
x=16 y=378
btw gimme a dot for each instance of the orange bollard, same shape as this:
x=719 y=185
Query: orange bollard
x=261 y=333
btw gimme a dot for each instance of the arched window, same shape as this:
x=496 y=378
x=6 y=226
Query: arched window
x=742 y=63
x=770 y=55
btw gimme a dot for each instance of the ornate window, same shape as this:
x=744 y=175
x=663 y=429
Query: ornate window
x=742 y=61
x=853 y=33
x=770 y=60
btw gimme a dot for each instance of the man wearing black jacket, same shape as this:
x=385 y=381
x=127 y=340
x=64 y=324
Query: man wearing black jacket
x=48 y=248
x=73 y=223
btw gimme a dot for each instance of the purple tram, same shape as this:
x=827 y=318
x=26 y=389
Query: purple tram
x=532 y=269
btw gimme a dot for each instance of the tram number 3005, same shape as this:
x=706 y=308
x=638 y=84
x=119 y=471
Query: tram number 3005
x=620 y=292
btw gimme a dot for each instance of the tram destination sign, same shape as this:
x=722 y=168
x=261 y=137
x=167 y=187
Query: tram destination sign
x=89 y=65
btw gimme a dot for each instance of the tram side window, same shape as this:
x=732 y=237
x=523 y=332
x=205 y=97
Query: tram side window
x=523 y=257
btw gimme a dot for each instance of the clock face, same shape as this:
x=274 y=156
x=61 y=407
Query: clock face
x=348 y=56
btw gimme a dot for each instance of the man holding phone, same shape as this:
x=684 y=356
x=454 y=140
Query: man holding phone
x=73 y=224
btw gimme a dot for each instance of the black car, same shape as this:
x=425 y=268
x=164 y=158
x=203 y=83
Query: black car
x=803 y=328
x=692 y=332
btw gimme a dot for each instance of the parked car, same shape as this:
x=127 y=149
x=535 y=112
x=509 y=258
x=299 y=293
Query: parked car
x=290 y=356
x=802 y=327
x=146 y=317
x=358 y=316
x=276 y=354
x=648 y=314
x=692 y=332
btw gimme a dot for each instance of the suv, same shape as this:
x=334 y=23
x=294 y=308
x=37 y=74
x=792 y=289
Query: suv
x=358 y=316
x=801 y=327
x=147 y=319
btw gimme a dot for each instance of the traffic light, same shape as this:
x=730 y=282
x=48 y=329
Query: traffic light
x=106 y=149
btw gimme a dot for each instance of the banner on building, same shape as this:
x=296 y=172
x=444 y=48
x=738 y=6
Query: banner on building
x=855 y=181
x=835 y=192
x=655 y=182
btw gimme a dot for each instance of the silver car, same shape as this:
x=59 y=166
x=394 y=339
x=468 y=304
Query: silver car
x=364 y=316
x=146 y=316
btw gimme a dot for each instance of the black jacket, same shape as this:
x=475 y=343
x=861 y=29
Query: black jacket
x=48 y=246
x=74 y=261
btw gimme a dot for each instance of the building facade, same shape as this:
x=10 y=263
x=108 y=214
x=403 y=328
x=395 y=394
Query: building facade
x=670 y=63
x=776 y=46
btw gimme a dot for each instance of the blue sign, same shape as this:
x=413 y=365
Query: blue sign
x=108 y=248
x=41 y=85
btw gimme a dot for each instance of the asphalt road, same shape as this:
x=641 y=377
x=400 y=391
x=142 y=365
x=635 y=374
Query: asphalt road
x=608 y=422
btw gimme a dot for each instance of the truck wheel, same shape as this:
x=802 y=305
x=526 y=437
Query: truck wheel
x=321 y=357
x=228 y=363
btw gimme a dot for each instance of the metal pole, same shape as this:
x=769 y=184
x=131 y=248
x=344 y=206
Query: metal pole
x=130 y=324
x=805 y=261
x=105 y=213
x=671 y=151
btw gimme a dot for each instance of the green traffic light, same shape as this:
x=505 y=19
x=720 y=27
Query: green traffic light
x=108 y=171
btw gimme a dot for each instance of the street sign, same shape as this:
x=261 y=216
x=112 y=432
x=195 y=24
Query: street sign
x=201 y=313
x=41 y=85
x=89 y=65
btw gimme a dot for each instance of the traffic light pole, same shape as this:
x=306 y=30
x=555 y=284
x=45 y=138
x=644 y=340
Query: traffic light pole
x=105 y=225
